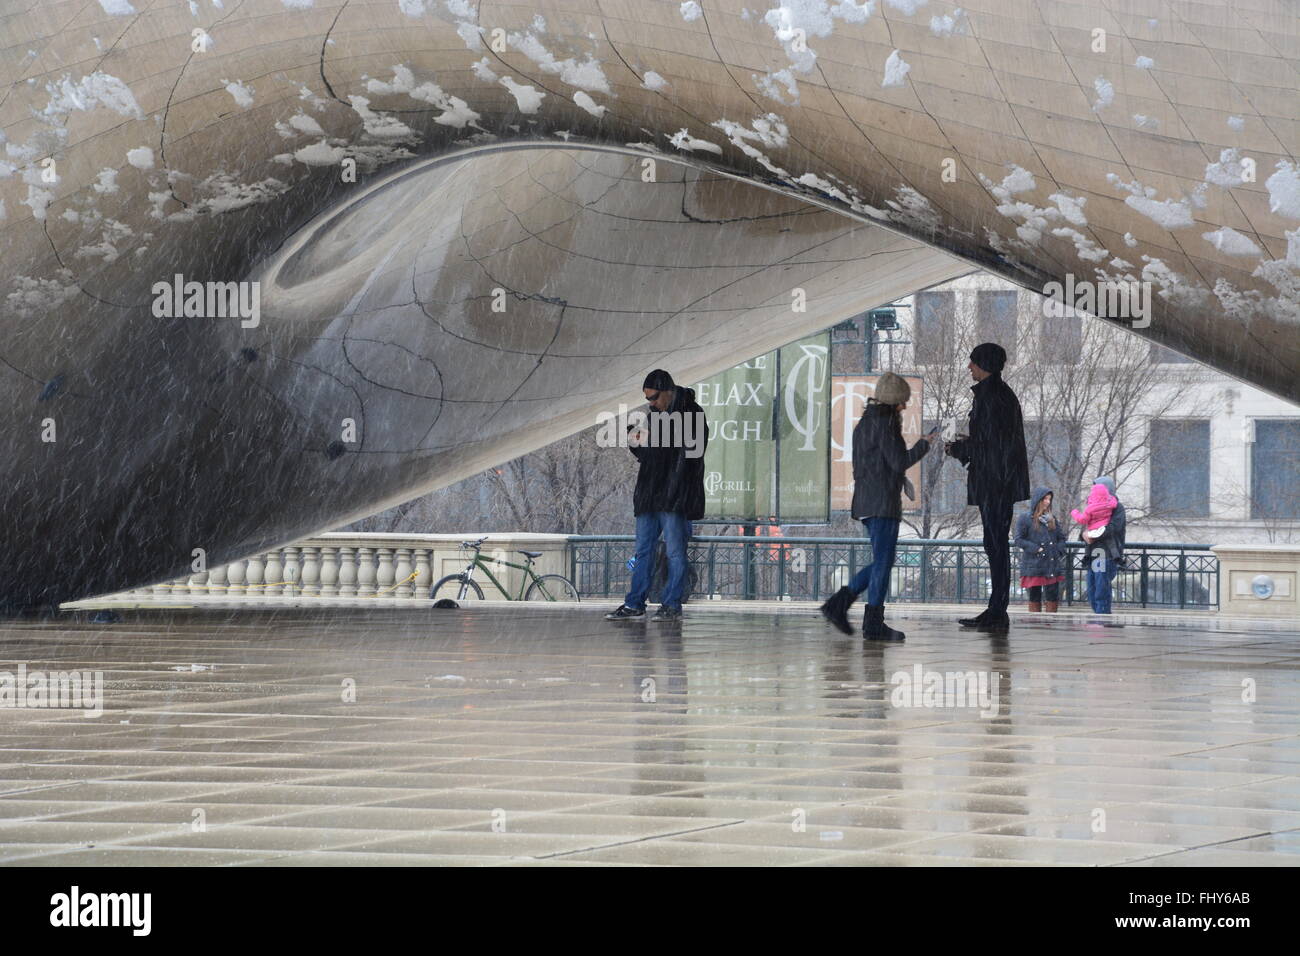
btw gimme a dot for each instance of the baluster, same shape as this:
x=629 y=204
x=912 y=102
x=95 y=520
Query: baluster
x=423 y=575
x=347 y=572
x=365 y=572
x=235 y=576
x=292 y=572
x=401 y=572
x=256 y=575
x=217 y=581
x=329 y=572
x=310 y=573
x=384 y=578
x=274 y=574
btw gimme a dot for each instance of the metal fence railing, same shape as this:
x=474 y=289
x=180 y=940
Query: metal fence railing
x=925 y=571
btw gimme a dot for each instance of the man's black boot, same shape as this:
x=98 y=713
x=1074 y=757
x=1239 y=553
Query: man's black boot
x=836 y=609
x=874 y=627
x=999 y=624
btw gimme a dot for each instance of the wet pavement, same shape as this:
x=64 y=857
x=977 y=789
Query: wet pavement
x=545 y=735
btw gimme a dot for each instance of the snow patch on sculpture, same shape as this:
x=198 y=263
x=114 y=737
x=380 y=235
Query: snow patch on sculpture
x=768 y=85
x=590 y=105
x=1228 y=171
x=896 y=70
x=378 y=125
x=683 y=140
x=953 y=24
x=1169 y=213
x=107 y=181
x=1105 y=93
x=33 y=296
x=770 y=130
x=456 y=111
x=1284 y=190
x=97 y=89
x=585 y=74
x=1231 y=243
x=243 y=95
x=528 y=98
x=797 y=21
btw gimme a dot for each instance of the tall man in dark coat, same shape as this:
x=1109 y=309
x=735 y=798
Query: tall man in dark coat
x=997 y=473
x=669 y=491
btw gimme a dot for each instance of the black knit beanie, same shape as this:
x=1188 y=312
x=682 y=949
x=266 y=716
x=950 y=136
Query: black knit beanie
x=989 y=356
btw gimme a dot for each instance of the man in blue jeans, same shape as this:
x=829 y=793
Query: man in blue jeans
x=1103 y=554
x=669 y=491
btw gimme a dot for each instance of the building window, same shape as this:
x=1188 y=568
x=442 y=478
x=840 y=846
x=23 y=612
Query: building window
x=1053 y=448
x=935 y=327
x=1180 y=468
x=1060 y=339
x=996 y=320
x=1275 y=469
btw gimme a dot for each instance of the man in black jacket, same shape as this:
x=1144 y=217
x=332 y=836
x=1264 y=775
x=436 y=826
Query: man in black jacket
x=997 y=473
x=669 y=491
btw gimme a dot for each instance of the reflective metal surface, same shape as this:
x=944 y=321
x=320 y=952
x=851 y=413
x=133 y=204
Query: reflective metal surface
x=214 y=141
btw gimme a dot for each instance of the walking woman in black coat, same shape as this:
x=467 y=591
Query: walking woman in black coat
x=880 y=463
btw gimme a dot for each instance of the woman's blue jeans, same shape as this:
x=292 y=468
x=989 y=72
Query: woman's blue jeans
x=874 y=578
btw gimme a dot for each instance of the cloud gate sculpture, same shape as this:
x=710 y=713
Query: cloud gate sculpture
x=271 y=265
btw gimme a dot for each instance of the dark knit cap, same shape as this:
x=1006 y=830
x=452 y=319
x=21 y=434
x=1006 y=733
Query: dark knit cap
x=989 y=356
x=659 y=380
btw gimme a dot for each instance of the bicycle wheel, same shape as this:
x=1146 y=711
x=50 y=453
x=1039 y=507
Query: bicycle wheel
x=552 y=587
x=455 y=586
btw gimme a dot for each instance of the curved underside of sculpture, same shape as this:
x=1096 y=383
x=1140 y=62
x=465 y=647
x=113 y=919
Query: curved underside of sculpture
x=549 y=200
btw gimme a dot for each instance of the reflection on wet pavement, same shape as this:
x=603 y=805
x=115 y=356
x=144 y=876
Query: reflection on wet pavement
x=516 y=735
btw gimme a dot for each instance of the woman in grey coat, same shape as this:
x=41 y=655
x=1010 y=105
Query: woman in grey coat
x=1042 y=552
x=880 y=463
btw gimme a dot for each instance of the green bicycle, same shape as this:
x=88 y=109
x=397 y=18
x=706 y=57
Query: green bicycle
x=539 y=587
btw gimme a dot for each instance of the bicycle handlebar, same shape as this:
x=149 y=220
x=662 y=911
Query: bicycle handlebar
x=476 y=545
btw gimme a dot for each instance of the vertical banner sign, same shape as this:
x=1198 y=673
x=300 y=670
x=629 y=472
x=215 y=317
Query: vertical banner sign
x=803 y=439
x=738 y=463
x=769 y=436
x=849 y=394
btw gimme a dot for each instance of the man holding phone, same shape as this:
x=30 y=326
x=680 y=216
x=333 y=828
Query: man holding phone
x=669 y=491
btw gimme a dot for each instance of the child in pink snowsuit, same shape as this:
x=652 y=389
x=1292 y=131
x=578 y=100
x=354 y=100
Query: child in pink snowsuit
x=1096 y=512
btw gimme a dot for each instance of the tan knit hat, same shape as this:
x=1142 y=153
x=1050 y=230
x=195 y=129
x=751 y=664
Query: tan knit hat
x=892 y=389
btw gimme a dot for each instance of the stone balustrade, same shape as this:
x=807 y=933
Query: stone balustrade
x=346 y=565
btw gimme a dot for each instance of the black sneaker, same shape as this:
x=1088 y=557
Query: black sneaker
x=666 y=613
x=625 y=613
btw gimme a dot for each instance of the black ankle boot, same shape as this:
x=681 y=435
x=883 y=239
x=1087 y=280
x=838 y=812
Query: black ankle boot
x=874 y=627
x=836 y=609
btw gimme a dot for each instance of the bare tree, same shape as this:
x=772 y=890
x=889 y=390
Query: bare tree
x=572 y=486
